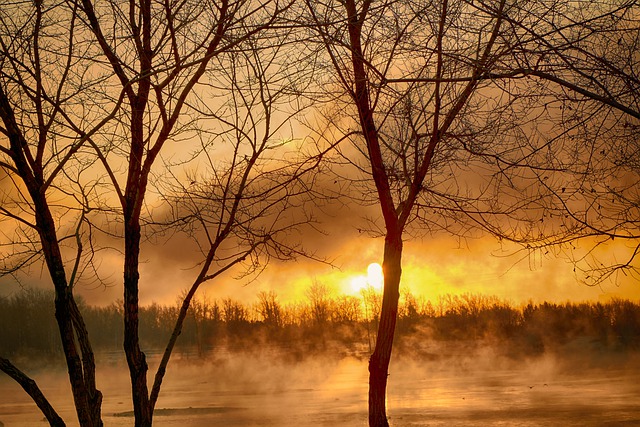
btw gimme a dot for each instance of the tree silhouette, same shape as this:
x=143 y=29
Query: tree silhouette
x=591 y=68
x=450 y=134
x=48 y=192
x=129 y=79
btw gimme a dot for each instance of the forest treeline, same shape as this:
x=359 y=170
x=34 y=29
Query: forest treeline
x=323 y=321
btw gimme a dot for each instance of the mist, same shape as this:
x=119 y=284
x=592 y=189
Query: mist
x=267 y=388
x=468 y=360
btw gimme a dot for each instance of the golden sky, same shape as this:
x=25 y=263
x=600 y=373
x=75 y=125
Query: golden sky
x=431 y=268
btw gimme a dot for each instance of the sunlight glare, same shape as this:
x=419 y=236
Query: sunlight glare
x=358 y=283
x=375 y=278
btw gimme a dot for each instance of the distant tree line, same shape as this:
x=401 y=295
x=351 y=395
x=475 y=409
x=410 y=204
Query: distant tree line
x=323 y=321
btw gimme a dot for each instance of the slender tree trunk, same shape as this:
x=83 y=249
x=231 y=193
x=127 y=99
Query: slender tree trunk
x=177 y=330
x=379 y=361
x=87 y=398
x=136 y=359
x=74 y=365
x=391 y=265
x=94 y=395
x=133 y=201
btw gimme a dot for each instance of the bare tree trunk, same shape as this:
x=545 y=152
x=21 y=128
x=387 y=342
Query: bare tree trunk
x=379 y=361
x=74 y=365
x=33 y=391
x=86 y=397
x=136 y=359
x=94 y=395
x=135 y=190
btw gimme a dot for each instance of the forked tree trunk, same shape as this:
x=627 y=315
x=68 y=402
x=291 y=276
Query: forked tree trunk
x=87 y=399
x=379 y=361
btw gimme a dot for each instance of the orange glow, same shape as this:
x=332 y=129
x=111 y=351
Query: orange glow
x=430 y=269
x=374 y=279
x=357 y=284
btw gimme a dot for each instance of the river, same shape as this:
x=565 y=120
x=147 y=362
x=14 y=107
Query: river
x=263 y=390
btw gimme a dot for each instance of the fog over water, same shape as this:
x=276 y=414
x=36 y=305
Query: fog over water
x=266 y=388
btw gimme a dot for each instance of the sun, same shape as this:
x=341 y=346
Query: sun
x=373 y=279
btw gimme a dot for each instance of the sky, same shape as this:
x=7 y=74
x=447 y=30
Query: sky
x=432 y=267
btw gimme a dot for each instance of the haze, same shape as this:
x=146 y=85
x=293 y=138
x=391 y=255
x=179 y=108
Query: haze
x=241 y=211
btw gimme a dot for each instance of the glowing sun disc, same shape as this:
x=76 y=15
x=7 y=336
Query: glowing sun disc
x=375 y=277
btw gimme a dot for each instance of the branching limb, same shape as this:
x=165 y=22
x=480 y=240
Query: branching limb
x=32 y=389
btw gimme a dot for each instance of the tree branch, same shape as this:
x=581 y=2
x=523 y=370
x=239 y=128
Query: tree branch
x=33 y=391
x=520 y=73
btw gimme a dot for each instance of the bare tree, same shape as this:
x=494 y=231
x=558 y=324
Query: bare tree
x=152 y=66
x=157 y=53
x=591 y=69
x=451 y=134
x=270 y=309
x=242 y=208
x=48 y=191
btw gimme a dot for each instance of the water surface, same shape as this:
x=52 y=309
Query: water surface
x=263 y=390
